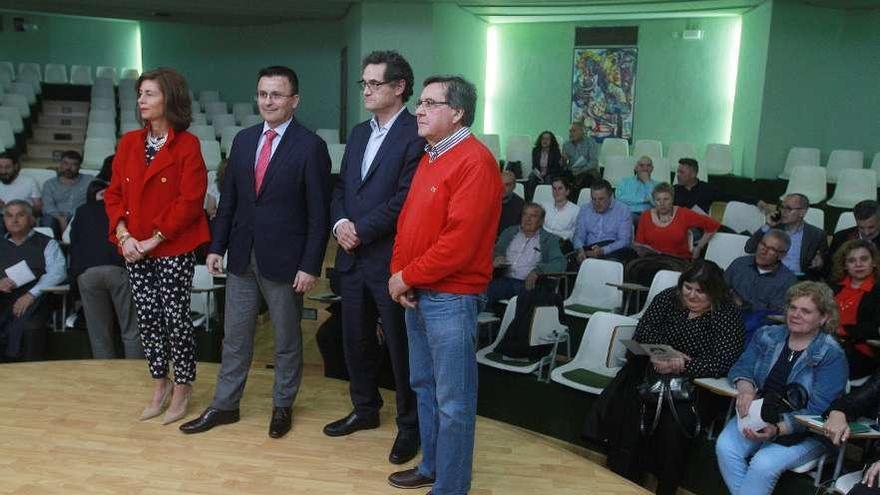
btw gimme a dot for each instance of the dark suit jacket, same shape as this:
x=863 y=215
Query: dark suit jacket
x=814 y=241
x=286 y=225
x=374 y=203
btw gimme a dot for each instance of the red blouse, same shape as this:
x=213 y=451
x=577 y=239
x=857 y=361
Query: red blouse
x=673 y=238
x=848 y=300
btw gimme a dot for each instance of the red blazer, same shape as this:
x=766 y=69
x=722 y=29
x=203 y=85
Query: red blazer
x=168 y=195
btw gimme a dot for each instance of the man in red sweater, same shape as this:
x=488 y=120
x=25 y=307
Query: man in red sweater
x=441 y=266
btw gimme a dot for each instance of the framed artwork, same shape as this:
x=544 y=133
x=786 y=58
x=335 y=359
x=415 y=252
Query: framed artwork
x=603 y=90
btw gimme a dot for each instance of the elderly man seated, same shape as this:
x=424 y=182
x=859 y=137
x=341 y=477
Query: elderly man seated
x=524 y=252
x=32 y=262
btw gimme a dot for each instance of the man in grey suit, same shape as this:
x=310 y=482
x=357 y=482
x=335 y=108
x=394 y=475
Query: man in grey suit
x=380 y=159
x=806 y=255
x=272 y=224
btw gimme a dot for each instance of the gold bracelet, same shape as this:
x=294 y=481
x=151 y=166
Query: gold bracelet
x=123 y=237
x=121 y=242
x=158 y=235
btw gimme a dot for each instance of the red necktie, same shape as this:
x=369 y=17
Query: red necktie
x=263 y=160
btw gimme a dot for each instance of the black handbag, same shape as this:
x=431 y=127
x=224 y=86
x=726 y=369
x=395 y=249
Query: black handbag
x=675 y=391
x=793 y=398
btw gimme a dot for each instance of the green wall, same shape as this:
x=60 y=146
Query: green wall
x=683 y=88
x=227 y=58
x=71 y=40
x=750 y=88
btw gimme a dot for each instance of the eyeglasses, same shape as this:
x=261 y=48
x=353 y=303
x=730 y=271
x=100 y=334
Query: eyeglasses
x=262 y=95
x=373 y=85
x=429 y=103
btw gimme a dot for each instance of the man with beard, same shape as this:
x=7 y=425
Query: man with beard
x=15 y=186
x=62 y=195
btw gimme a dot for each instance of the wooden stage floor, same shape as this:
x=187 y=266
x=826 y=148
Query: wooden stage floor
x=71 y=427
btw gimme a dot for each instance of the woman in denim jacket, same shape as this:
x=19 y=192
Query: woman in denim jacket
x=799 y=352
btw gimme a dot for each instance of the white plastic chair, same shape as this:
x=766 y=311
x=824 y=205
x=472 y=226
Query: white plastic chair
x=330 y=136
x=742 y=217
x=493 y=142
x=724 y=248
x=846 y=220
x=56 y=74
x=18 y=101
x=98 y=130
x=211 y=153
x=8 y=69
x=612 y=147
x=209 y=96
x=104 y=104
x=13 y=116
x=252 y=120
x=875 y=163
x=26 y=89
x=241 y=110
x=95 y=150
x=815 y=217
x=7 y=137
x=853 y=186
x=29 y=70
x=199 y=119
x=106 y=72
x=648 y=147
x=840 y=160
x=846 y=482
x=545 y=329
x=718 y=160
x=662 y=280
x=590 y=292
x=519 y=149
x=800 y=157
x=600 y=355
x=102 y=117
x=130 y=74
x=41 y=175
x=203 y=132
x=618 y=168
x=200 y=305
x=543 y=194
x=214 y=107
x=227 y=136
x=519 y=190
x=5 y=81
x=128 y=126
x=662 y=170
x=809 y=181
x=46 y=231
x=336 y=151
x=222 y=121
x=679 y=150
x=81 y=74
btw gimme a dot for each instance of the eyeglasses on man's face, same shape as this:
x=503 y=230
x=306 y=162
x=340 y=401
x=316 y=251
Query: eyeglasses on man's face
x=428 y=103
x=372 y=84
x=262 y=95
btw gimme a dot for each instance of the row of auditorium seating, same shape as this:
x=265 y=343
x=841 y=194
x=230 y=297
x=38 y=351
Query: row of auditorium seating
x=57 y=73
x=838 y=161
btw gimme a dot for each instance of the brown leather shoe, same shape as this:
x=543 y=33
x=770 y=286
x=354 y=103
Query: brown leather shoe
x=410 y=478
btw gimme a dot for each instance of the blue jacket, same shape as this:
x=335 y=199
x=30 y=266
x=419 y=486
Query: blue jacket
x=822 y=369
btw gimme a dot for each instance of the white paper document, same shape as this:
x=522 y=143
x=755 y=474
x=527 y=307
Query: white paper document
x=752 y=420
x=20 y=273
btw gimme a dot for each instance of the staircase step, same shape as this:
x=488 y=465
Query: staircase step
x=78 y=122
x=68 y=108
x=59 y=135
x=52 y=151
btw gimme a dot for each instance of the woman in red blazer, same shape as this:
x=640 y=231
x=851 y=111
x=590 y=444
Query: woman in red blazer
x=154 y=204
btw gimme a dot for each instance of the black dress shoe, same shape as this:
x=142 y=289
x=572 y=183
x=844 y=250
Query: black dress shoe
x=282 y=417
x=405 y=448
x=210 y=418
x=409 y=479
x=350 y=424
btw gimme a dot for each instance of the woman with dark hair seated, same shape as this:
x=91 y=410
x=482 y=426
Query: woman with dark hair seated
x=697 y=319
x=855 y=272
x=863 y=402
x=796 y=368
x=546 y=161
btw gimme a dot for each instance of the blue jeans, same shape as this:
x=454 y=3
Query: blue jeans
x=442 y=334
x=750 y=468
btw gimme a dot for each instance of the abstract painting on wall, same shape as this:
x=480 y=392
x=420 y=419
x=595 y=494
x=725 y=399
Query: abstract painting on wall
x=603 y=90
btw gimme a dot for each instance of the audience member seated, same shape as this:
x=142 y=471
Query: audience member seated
x=604 y=226
x=636 y=191
x=867 y=227
x=808 y=243
x=546 y=161
x=796 y=368
x=691 y=191
x=511 y=203
x=562 y=214
x=62 y=195
x=854 y=271
x=13 y=185
x=98 y=273
x=24 y=311
x=523 y=253
x=698 y=319
x=759 y=282
x=580 y=156
x=861 y=402
x=662 y=241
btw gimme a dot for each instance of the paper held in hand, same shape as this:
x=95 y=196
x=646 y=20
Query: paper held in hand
x=753 y=419
x=658 y=351
x=20 y=273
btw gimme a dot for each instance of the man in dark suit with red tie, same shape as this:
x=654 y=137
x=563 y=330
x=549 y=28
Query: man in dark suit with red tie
x=272 y=224
x=380 y=158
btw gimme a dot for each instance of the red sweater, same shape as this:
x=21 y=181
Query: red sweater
x=673 y=238
x=446 y=229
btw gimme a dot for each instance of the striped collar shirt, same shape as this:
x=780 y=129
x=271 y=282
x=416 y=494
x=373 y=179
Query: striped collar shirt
x=446 y=143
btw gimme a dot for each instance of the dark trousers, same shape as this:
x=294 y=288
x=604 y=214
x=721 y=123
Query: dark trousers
x=861 y=489
x=24 y=338
x=365 y=299
x=668 y=447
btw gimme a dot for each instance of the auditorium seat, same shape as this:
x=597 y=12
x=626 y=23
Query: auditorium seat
x=7 y=68
x=648 y=147
x=330 y=136
x=800 y=157
x=104 y=104
x=809 y=181
x=227 y=135
x=106 y=72
x=845 y=221
x=13 y=116
x=543 y=194
x=600 y=355
x=336 y=151
x=875 y=163
x=519 y=149
x=222 y=121
x=128 y=126
x=26 y=89
x=251 y=120
x=612 y=147
x=242 y=109
x=662 y=280
x=209 y=95
x=840 y=160
x=742 y=217
x=815 y=217
x=520 y=190
x=590 y=292
x=718 y=160
x=617 y=168
x=214 y=107
x=493 y=142
x=199 y=119
x=29 y=70
x=95 y=150
x=723 y=248
x=131 y=74
x=41 y=175
x=679 y=150
x=853 y=186
x=19 y=102
x=7 y=137
x=662 y=170
x=56 y=74
x=5 y=82
x=102 y=116
x=101 y=130
x=81 y=74
x=204 y=132
x=211 y=153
